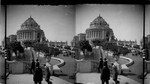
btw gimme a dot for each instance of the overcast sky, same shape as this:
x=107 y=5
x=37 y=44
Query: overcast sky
x=2 y=24
x=125 y=20
x=61 y=23
x=58 y=22
x=147 y=18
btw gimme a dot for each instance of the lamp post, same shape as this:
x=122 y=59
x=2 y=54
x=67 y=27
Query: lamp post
x=143 y=41
x=5 y=69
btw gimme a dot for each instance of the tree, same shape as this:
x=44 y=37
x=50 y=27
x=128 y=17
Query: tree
x=28 y=44
x=98 y=42
x=16 y=48
x=85 y=45
x=136 y=46
x=41 y=47
x=67 y=47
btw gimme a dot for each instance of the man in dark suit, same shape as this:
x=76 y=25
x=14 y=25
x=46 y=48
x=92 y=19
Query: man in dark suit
x=105 y=61
x=38 y=75
x=37 y=62
x=100 y=67
x=32 y=66
x=105 y=75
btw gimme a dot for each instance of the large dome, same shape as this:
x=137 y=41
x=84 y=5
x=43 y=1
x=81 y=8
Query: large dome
x=99 y=29
x=30 y=31
x=30 y=24
x=99 y=22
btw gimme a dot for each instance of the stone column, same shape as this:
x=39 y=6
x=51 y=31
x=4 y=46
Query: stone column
x=100 y=34
x=92 y=34
x=28 y=35
x=31 y=35
x=89 y=34
x=103 y=34
x=23 y=35
x=34 y=35
x=97 y=34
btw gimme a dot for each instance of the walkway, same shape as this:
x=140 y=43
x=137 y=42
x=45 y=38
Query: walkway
x=94 y=78
x=147 y=79
x=28 y=79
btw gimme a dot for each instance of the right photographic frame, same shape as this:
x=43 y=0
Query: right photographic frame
x=146 y=52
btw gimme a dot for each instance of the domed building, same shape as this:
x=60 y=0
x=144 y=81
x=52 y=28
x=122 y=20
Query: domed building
x=30 y=31
x=99 y=30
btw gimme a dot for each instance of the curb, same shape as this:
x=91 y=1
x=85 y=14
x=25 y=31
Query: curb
x=130 y=61
x=62 y=62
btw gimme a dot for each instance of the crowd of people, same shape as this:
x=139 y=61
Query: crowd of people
x=38 y=73
x=106 y=71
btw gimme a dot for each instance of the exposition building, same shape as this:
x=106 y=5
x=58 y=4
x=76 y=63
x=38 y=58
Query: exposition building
x=99 y=29
x=30 y=31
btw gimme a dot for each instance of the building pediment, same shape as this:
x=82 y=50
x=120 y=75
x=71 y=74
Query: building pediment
x=99 y=22
x=30 y=23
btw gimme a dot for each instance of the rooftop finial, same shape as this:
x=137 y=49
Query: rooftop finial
x=30 y=16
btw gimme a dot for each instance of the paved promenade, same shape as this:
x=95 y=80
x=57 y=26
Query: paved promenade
x=147 y=79
x=94 y=78
x=84 y=78
x=28 y=79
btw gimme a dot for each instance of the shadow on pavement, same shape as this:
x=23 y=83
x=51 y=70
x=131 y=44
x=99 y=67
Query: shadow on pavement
x=128 y=73
x=57 y=75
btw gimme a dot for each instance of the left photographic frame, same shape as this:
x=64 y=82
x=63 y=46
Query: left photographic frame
x=2 y=45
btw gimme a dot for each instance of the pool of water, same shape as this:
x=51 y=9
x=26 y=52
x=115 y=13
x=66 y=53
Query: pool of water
x=52 y=61
x=120 y=61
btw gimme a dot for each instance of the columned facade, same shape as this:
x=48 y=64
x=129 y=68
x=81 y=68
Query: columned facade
x=99 y=30
x=30 y=31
